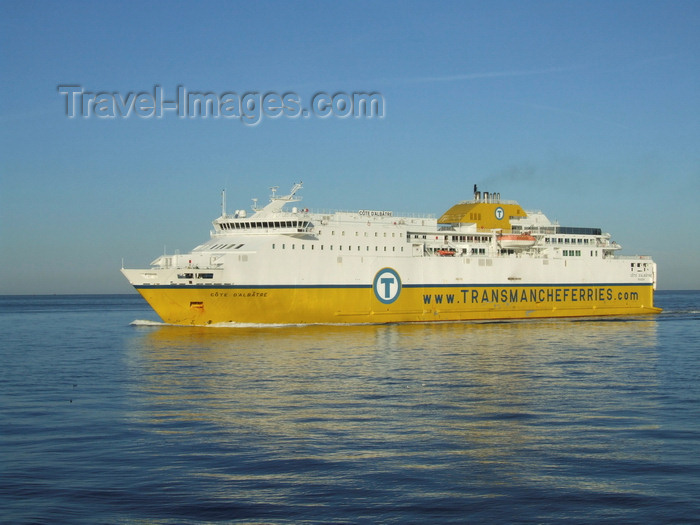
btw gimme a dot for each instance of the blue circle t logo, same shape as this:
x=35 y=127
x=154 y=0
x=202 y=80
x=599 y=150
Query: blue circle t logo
x=387 y=285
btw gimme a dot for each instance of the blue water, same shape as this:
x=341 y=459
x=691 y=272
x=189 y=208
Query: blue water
x=576 y=421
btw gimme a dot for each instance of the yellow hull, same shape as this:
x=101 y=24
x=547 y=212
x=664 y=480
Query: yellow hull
x=185 y=305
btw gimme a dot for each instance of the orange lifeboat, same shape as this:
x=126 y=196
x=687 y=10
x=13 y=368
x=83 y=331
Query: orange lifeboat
x=514 y=241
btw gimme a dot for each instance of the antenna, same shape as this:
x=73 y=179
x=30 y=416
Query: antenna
x=223 y=202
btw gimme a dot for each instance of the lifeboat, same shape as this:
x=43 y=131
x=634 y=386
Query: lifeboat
x=514 y=241
x=446 y=253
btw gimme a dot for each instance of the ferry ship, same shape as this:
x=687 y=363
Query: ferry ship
x=484 y=258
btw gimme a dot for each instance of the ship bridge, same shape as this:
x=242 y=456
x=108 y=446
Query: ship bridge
x=267 y=219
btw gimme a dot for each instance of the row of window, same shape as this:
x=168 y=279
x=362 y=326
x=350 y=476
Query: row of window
x=287 y=224
x=376 y=234
x=453 y=238
x=350 y=248
x=248 y=225
x=331 y=247
x=577 y=253
x=566 y=240
x=225 y=246
x=463 y=251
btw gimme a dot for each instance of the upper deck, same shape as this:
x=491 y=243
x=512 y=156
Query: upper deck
x=470 y=228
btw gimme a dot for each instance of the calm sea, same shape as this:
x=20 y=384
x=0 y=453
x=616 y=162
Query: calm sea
x=103 y=420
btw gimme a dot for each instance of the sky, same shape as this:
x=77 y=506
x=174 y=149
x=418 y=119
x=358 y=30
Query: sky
x=588 y=111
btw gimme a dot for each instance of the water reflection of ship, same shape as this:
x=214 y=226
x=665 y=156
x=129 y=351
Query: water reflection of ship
x=479 y=381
